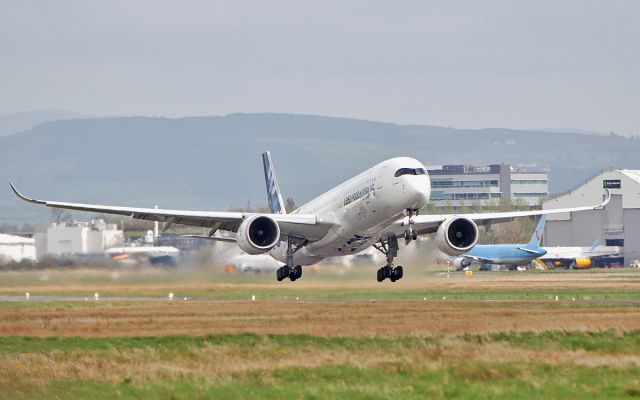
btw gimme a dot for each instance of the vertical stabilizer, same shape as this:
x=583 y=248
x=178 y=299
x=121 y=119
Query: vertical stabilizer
x=276 y=204
x=537 y=234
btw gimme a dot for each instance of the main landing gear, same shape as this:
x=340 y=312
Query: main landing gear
x=389 y=247
x=289 y=270
x=292 y=273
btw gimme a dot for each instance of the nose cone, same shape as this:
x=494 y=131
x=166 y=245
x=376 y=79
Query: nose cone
x=419 y=190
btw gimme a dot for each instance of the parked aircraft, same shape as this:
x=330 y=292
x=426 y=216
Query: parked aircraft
x=505 y=254
x=583 y=257
x=374 y=208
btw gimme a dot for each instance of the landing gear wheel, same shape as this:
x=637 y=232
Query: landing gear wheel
x=296 y=273
x=282 y=273
x=389 y=247
x=289 y=270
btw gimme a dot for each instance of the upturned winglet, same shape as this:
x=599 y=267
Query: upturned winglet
x=607 y=198
x=23 y=197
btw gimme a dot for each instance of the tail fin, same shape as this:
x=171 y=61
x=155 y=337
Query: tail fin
x=276 y=204
x=537 y=234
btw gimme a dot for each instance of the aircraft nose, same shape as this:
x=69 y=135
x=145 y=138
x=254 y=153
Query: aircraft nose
x=420 y=191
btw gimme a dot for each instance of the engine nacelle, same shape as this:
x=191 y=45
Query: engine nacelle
x=456 y=235
x=258 y=234
x=461 y=263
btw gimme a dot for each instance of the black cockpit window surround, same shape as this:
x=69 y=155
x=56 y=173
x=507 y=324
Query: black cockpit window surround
x=410 y=171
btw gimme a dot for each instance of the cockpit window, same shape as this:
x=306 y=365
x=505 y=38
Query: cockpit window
x=410 y=171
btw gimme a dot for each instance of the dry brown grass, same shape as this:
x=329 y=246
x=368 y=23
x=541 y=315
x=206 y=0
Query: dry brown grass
x=357 y=318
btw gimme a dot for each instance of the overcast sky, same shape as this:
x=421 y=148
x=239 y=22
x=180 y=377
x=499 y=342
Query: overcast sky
x=517 y=64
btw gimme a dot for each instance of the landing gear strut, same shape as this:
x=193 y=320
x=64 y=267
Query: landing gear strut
x=289 y=270
x=389 y=247
x=409 y=234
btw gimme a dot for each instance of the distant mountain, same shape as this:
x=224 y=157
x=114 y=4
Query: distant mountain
x=18 y=122
x=213 y=163
x=571 y=130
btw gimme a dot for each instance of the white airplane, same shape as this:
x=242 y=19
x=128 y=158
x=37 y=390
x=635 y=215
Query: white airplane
x=583 y=257
x=374 y=208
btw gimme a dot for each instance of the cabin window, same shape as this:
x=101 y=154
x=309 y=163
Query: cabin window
x=410 y=171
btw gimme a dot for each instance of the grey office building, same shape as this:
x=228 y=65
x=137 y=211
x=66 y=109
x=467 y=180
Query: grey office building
x=455 y=186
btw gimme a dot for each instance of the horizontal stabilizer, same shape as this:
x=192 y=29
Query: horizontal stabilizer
x=540 y=253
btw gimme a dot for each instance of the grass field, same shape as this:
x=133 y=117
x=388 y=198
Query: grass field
x=492 y=336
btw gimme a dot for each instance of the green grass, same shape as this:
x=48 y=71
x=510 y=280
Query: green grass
x=384 y=292
x=461 y=380
x=455 y=377
x=607 y=342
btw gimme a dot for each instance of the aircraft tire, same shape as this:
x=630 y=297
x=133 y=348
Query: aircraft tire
x=398 y=272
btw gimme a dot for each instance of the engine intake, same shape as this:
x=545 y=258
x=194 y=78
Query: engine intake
x=258 y=234
x=456 y=235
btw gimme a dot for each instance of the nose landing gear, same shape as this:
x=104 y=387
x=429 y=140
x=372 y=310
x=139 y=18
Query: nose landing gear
x=389 y=247
x=409 y=234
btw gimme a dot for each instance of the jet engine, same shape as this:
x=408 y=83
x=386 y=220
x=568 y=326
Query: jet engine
x=456 y=235
x=583 y=262
x=461 y=263
x=258 y=234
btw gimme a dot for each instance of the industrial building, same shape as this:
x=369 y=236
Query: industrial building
x=16 y=248
x=71 y=238
x=618 y=224
x=457 y=186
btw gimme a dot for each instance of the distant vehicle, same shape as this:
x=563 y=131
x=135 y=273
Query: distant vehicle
x=153 y=255
x=505 y=254
x=583 y=257
x=635 y=264
x=375 y=208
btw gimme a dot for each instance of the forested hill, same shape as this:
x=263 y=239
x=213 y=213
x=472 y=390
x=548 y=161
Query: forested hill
x=214 y=162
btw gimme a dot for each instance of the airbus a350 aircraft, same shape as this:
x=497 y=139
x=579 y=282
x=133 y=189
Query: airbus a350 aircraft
x=374 y=208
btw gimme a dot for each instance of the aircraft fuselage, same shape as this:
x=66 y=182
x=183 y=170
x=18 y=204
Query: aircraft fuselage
x=361 y=209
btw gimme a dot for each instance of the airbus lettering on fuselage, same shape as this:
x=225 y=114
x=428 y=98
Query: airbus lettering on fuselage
x=365 y=191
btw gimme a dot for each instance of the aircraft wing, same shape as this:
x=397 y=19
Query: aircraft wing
x=307 y=226
x=425 y=224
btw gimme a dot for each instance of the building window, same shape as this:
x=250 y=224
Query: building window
x=614 y=242
x=441 y=183
x=529 y=182
x=528 y=195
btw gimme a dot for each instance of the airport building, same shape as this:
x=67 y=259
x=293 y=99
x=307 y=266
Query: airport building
x=618 y=224
x=16 y=248
x=71 y=238
x=457 y=186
